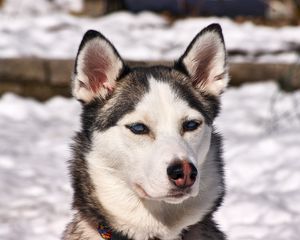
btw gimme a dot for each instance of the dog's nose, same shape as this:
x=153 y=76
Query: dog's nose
x=182 y=173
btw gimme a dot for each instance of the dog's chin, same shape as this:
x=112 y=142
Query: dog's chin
x=175 y=197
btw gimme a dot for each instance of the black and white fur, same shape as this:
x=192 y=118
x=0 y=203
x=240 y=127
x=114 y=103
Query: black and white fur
x=119 y=177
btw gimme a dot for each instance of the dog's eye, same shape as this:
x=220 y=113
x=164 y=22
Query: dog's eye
x=190 y=125
x=138 y=128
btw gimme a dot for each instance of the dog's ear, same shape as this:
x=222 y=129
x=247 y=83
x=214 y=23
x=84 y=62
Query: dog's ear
x=205 y=61
x=98 y=65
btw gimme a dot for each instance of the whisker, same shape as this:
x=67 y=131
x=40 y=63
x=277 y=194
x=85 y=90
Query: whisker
x=104 y=168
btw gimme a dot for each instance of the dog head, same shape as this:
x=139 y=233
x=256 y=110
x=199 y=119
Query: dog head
x=149 y=129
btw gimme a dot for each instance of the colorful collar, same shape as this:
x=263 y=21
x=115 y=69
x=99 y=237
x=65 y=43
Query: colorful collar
x=104 y=232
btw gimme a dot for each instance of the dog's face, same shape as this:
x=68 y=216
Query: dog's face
x=163 y=132
x=150 y=128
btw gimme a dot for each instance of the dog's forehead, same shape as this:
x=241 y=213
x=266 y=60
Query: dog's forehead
x=169 y=89
x=162 y=103
x=150 y=89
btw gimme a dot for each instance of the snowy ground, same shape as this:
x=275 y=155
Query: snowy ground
x=146 y=36
x=261 y=152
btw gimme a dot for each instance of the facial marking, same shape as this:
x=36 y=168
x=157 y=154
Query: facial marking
x=144 y=154
x=162 y=110
x=174 y=131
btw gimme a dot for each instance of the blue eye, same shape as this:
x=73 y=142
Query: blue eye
x=190 y=125
x=138 y=128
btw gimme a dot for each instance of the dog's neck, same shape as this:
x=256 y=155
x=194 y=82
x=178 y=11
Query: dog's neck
x=81 y=228
x=144 y=219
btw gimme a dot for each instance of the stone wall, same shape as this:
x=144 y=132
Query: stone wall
x=44 y=78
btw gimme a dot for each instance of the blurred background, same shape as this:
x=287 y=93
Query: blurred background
x=260 y=118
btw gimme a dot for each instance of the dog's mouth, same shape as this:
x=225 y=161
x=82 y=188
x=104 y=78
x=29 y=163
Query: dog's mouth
x=140 y=191
x=173 y=194
x=179 y=193
x=176 y=195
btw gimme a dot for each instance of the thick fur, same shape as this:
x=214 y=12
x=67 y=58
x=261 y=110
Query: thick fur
x=119 y=178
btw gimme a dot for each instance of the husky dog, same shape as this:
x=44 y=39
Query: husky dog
x=147 y=162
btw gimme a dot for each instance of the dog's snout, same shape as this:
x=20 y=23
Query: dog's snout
x=182 y=173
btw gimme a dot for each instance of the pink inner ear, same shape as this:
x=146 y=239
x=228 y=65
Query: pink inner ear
x=96 y=66
x=204 y=64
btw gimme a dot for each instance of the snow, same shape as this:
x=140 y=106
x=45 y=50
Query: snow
x=32 y=7
x=262 y=150
x=42 y=32
x=34 y=184
x=261 y=153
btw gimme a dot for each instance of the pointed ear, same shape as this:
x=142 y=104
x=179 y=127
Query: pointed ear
x=98 y=66
x=205 y=61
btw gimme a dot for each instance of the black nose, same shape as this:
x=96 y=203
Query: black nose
x=182 y=173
